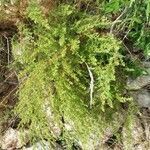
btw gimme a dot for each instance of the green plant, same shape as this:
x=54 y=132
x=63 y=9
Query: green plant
x=69 y=66
x=131 y=18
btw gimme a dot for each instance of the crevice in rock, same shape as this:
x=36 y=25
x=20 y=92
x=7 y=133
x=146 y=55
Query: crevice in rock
x=8 y=77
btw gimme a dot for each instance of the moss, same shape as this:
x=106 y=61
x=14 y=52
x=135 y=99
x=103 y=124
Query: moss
x=58 y=56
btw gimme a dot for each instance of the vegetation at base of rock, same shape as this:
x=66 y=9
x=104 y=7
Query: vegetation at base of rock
x=72 y=67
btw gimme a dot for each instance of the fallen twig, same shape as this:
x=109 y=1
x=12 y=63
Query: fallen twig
x=91 y=85
x=8 y=49
x=113 y=24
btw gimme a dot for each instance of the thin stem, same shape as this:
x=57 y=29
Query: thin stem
x=91 y=85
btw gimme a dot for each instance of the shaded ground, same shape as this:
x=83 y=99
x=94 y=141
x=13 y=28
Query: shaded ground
x=8 y=77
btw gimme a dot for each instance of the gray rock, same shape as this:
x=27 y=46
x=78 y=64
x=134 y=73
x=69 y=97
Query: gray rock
x=138 y=83
x=138 y=90
x=146 y=64
x=143 y=98
x=134 y=139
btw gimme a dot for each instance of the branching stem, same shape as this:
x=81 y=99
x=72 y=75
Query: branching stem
x=117 y=20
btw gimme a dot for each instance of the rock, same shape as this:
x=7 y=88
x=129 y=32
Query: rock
x=146 y=64
x=141 y=146
x=13 y=139
x=44 y=145
x=138 y=83
x=96 y=142
x=39 y=146
x=135 y=138
x=138 y=89
x=142 y=97
x=55 y=128
x=68 y=127
x=145 y=119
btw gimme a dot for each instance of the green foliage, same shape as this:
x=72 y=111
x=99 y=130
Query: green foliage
x=131 y=21
x=135 y=69
x=135 y=21
x=139 y=25
x=54 y=56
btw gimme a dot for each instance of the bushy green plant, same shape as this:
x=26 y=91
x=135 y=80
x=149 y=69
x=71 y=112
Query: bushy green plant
x=133 y=20
x=67 y=65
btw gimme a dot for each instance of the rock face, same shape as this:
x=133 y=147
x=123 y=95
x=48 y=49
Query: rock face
x=13 y=139
x=138 y=138
x=43 y=145
x=143 y=98
x=133 y=138
x=55 y=128
x=139 y=90
x=139 y=83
